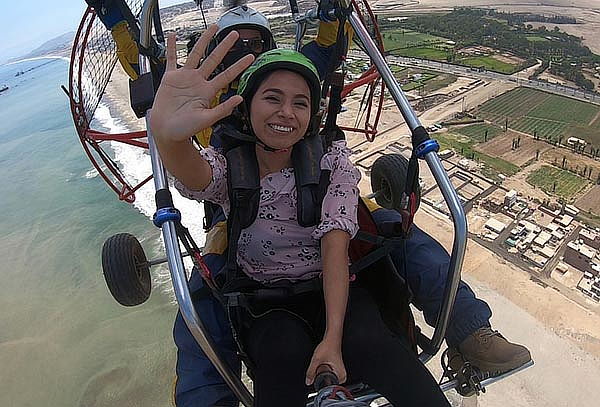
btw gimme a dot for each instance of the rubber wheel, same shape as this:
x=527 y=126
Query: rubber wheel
x=126 y=270
x=388 y=177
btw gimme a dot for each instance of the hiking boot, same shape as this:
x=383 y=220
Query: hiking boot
x=489 y=351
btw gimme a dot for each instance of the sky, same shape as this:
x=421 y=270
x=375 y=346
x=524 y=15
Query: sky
x=27 y=24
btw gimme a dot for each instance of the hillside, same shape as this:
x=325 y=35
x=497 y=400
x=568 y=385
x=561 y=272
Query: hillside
x=58 y=46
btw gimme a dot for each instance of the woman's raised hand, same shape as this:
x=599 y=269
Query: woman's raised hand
x=182 y=104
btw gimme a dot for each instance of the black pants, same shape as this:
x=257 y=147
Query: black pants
x=279 y=340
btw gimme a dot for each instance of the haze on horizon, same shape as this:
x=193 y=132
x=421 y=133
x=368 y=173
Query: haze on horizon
x=30 y=24
x=27 y=24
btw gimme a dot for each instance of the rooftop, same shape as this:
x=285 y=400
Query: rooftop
x=565 y=220
x=542 y=238
x=583 y=249
x=495 y=225
x=589 y=234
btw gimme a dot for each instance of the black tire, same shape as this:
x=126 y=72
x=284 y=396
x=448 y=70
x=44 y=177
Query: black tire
x=388 y=179
x=126 y=269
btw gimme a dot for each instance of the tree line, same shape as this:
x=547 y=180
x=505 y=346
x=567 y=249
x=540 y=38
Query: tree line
x=563 y=53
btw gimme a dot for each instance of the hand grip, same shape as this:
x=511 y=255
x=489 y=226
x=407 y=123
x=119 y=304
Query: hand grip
x=325 y=377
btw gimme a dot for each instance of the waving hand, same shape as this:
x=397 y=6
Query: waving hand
x=182 y=104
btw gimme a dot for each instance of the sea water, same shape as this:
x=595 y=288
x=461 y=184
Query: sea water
x=63 y=340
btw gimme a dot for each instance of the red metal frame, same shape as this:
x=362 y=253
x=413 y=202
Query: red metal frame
x=370 y=77
x=91 y=139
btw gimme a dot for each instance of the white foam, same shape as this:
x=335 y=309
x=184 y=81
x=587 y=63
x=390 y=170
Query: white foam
x=135 y=164
x=93 y=173
x=38 y=58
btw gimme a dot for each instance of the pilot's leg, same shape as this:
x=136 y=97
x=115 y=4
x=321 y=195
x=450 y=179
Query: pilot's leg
x=469 y=330
x=198 y=383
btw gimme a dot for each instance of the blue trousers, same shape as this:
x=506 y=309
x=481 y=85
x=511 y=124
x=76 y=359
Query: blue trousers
x=199 y=384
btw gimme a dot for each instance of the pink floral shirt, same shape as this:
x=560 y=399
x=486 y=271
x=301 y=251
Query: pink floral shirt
x=275 y=246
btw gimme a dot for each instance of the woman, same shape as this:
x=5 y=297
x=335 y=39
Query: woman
x=281 y=95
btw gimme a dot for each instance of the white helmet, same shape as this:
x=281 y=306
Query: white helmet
x=246 y=17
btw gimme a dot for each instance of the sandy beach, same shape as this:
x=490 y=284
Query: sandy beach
x=562 y=336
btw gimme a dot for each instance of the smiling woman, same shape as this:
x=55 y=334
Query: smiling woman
x=280 y=111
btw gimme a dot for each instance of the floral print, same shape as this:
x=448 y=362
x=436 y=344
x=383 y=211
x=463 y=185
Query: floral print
x=275 y=246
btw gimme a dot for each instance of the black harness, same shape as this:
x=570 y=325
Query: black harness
x=243 y=182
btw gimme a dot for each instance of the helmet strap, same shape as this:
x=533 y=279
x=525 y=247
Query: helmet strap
x=271 y=149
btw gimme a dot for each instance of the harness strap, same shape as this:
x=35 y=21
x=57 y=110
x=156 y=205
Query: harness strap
x=243 y=183
x=257 y=292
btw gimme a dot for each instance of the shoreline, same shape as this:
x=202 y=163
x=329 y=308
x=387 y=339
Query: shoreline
x=38 y=58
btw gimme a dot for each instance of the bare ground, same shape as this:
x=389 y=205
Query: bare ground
x=591 y=200
x=501 y=146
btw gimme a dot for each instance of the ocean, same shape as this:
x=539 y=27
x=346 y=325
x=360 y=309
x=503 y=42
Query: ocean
x=63 y=340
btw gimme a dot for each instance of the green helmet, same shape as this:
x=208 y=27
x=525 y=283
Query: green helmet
x=281 y=59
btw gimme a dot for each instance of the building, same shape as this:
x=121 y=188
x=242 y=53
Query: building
x=571 y=210
x=574 y=141
x=542 y=239
x=446 y=154
x=495 y=225
x=565 y=221
x=548 y=252
x=534 y=258
x=510 y=198
x=464 y=164
x=590 y=287
x=554 y=212
x=590 y=238
x=580 y=256
x=517 y=208
x=557 y=236
x=517 y=232
x=530 y=227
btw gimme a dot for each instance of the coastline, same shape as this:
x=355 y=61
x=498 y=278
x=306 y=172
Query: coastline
x=38 y=58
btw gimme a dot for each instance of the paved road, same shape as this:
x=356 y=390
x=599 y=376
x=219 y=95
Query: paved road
x=579 y=94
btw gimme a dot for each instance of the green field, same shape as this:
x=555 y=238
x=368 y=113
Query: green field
x=489 y=63
x=409 y=39
x=415 y=84
x=431 y=53
x=477 y=131
x=439 y=82
x=553 y=117
x=428 y=82
x=566 y=183
x=534 y=38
